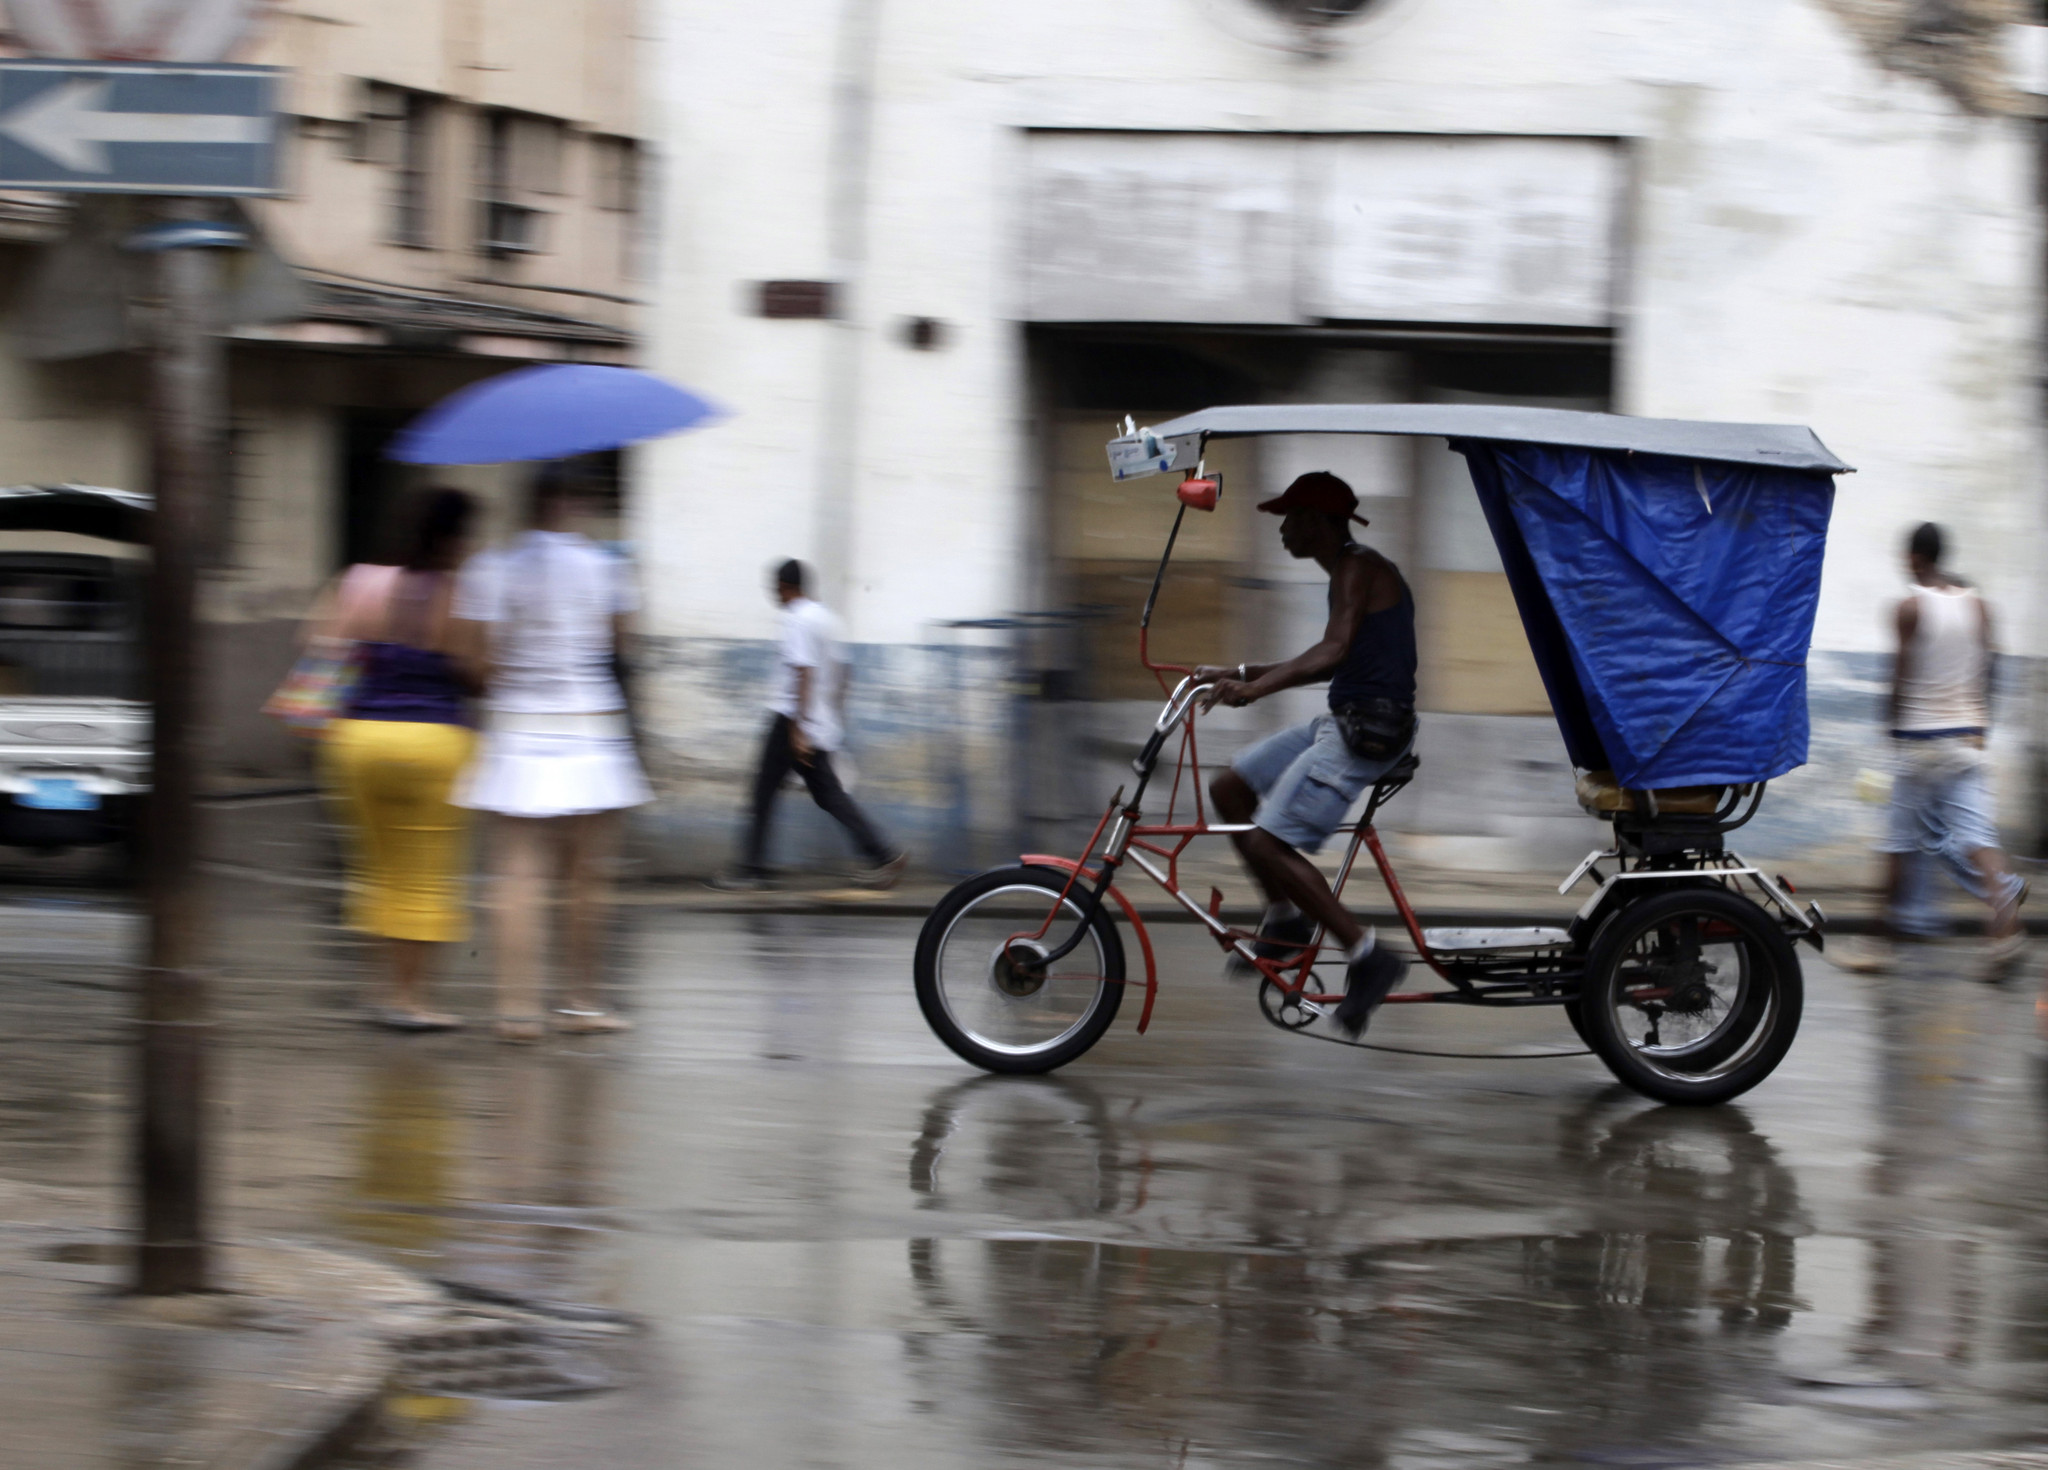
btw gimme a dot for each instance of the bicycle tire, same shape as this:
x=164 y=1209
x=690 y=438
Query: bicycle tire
x=1760 y=1022
x=936 y=941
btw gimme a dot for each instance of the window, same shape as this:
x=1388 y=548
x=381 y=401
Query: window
x=519 y=157
x=615 y=170
x=412 y=198
x=396 y=130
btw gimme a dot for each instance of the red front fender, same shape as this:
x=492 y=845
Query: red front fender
x=1068 y=865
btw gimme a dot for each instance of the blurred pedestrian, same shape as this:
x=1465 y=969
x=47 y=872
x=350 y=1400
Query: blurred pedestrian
x=1939 y=713
x=393 y=754
x=557 y=765
x=808 y=708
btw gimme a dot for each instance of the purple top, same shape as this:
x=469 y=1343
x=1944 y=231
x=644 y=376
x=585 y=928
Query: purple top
x=401 y=682
x=414 y=685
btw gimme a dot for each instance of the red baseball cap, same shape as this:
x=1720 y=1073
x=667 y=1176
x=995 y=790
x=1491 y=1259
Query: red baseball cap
x=1316 y=490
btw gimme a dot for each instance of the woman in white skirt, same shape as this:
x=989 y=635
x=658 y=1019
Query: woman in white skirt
x=557 y=764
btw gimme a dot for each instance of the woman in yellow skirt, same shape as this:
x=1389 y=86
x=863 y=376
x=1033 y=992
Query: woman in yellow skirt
x=392 y=758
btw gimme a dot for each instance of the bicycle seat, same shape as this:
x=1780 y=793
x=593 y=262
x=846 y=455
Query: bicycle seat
x=1402 y=769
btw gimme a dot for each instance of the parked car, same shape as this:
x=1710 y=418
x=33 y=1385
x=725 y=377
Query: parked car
x=74 y=730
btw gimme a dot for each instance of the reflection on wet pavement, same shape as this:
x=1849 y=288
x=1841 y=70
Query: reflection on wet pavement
x=1215 y=1244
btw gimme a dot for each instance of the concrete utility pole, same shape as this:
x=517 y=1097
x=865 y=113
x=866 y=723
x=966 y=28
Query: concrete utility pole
x=188 y=392
x=235 y=107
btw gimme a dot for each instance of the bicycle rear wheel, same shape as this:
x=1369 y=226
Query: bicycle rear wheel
x=1691 y=996
x=990 y=992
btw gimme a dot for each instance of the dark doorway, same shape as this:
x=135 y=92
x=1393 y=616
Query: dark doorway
x=370 y=483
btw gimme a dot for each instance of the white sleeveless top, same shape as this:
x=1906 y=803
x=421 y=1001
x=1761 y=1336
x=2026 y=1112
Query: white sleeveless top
x=1944 y=685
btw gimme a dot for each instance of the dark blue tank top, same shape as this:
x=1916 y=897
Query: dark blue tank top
x=1380 y=664
x=413 y=685
x=399 y=681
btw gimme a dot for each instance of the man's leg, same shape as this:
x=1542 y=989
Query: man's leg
x=1905 y=835
x=1960 y=807
x=1286 y=874
x=776 y=758
x=1236 y=794
x=1300 y=808
x=833 y=800
x=1284 y=932
x=1234 y=802
x=1281 y=872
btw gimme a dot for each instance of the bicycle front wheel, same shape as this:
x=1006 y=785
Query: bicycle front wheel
x=988 y=986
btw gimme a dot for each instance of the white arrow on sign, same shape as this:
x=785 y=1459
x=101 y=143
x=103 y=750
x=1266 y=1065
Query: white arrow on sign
x=70 y=125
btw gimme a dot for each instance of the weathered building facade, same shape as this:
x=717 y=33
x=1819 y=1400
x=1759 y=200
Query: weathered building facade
x=462 y=195
x=1021 y=222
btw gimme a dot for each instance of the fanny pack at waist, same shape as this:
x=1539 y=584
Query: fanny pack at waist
x=610 y=725
x=1375 y=729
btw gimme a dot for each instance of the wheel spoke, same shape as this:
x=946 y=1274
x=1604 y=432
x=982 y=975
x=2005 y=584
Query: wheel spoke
x=999 y=984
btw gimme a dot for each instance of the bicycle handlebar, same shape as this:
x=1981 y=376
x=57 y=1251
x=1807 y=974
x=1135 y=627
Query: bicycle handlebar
x=1178 y=705
x=1178 y=702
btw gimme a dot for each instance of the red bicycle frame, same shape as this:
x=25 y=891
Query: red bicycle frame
x=1131 y=840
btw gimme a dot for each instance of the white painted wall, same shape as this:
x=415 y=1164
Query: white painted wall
x=1806 y=237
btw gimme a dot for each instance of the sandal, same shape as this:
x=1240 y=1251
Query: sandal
x=398 y=1018
x=520 y=1030
x=571 y=1021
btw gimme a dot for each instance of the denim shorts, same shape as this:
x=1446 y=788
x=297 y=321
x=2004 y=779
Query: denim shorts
x=1307 y=778
x=1941 y=799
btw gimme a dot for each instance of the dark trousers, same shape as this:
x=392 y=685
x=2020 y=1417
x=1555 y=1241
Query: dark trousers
x=778 y=759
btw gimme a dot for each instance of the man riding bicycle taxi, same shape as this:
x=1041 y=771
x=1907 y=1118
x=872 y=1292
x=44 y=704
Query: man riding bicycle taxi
x=1296 y=787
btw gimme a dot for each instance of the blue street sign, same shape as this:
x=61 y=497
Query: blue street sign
x=138 y=127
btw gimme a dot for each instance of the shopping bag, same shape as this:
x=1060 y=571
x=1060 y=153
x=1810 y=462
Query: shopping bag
x=316 y=690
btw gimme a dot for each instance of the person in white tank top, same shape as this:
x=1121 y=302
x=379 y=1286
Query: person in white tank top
x=1938 y=715
x=1942 y=684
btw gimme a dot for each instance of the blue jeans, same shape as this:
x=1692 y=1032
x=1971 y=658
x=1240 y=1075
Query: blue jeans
x=1306 y=778
x=1941 y=817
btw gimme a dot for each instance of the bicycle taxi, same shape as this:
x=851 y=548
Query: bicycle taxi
x=1666 y=573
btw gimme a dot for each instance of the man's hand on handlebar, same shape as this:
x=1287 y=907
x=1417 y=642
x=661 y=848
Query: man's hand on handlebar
x=1227 y=685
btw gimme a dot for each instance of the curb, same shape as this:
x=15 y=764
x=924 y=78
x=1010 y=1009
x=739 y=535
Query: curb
x=307 y=1334
x=866 y=903
x=334 y=1399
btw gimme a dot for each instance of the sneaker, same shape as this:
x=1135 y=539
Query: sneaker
x=885 y=875
x=1279 y=939
x=2001 y=956
x=737 y=882
x=1367 y=982
x=1869 y=957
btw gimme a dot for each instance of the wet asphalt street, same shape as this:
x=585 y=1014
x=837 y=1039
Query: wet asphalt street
x=1212 y=1245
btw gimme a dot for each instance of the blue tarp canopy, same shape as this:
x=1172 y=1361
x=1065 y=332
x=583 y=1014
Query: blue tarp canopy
x=1669 y=603
x=1666 y=570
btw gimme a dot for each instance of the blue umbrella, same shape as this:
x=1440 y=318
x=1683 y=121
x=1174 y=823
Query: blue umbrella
x=547 y=412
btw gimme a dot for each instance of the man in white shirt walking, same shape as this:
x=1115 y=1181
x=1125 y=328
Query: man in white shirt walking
x=809 y=697
x=1939 y=714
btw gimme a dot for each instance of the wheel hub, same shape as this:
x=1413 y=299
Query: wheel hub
x=1690 y=983
x=1019 y=968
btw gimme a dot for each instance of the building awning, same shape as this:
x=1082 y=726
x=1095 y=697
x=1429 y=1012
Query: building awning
x=81 y=286
x=343 y=312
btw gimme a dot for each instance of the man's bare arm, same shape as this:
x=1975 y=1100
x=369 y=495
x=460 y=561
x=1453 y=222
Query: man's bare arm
x=1355 y=587
x=1906 y=624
